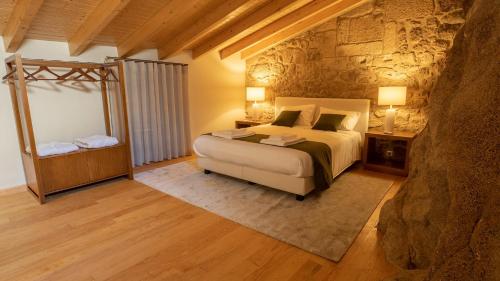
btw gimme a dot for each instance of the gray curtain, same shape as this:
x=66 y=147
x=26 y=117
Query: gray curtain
x=158 y=111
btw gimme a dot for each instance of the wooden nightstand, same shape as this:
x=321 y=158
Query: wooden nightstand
x=238 y=124
x=388 y=153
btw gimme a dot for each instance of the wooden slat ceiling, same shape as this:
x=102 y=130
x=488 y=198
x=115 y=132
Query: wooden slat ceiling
x=58 y=20
x=133 y=16
x=6 y=8
x=169 y=25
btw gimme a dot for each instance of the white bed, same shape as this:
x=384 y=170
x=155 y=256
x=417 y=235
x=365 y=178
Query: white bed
x=284 y=168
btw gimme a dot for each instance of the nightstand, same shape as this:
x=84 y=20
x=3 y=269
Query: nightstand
x=388 y=153
x=238 y=124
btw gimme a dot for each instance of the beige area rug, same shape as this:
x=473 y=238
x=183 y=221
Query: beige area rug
x=325 y=223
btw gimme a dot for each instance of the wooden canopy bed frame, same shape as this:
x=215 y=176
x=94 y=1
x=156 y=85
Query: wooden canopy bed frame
x=50 y=174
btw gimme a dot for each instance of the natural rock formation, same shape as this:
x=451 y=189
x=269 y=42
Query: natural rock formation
x=445 y=220
x=381 y=43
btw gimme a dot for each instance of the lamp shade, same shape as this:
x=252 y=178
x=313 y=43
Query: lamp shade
x=391 y=95
x=256 y=93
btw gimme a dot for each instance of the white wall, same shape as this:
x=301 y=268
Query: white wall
x=216 y=91
x=63 y=112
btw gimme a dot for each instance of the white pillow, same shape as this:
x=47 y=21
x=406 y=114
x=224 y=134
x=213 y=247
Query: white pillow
x=350 y=120
x=306 y=116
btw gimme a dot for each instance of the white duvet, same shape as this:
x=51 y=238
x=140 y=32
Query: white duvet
x=345 y=147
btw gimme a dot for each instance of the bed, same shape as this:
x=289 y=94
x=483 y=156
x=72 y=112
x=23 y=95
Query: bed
x=284 y=168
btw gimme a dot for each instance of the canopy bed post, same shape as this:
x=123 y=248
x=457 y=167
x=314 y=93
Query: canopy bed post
x=15 y=106
x=105 y=100
x=121 y=78
x=50 y=174
x=30 y=160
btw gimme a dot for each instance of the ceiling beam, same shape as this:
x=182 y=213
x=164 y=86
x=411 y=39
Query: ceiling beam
x=265 y=12
x=199 y=29
x=19 y=22
x=164 y=17
x=95 y=22
x=335 y=10
x=307 y=12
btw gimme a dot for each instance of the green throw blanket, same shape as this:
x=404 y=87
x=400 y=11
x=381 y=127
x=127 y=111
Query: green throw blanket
x=320 y=153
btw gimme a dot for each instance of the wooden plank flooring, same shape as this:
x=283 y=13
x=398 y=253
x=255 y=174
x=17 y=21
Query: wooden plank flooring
x=124 y=230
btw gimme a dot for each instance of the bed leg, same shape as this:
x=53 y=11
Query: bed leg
x=207 y=172
x=299 y=197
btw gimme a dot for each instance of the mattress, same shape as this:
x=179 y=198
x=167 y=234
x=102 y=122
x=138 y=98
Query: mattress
x=345 y=147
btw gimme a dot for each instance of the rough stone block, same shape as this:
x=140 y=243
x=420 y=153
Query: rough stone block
x=390 y=75
x=454 y=17
x=402 y=39
x=404 y=58
x=447 y=31
x=408 y=9
x=416 y=34
x=343 y=31
x=365 y=29
x=441 y=45
x=390 y=37
x=379 y=113
x=298 y=56
x=375 y=122
x=448 y=5
x=425 y=59
x=327 y=43
x=371 y=48
x=313 y=55
x=383 y=61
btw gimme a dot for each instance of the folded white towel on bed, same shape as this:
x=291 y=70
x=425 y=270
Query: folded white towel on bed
x=284 y=137
x=233 y=134
x=53 y=148
x=230 y=137
x=282 y=143
x=96 y=141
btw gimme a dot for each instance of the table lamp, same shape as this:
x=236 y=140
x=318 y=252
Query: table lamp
x=391 y=96
x=256 y=94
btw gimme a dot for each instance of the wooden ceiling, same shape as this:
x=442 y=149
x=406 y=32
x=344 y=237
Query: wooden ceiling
x=230 y=26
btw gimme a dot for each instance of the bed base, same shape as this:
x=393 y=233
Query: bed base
x=291 y=184
x=298 y=186
x=297 y=197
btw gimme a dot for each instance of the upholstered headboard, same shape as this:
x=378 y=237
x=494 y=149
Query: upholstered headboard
x=360 y=105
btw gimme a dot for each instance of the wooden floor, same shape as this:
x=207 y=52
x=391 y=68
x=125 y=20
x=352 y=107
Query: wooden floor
x=124 y=230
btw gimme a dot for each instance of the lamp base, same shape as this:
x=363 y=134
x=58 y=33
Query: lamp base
x=389 y=120
x=255 y=111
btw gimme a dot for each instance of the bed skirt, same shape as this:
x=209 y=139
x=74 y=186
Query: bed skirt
x=295 y=185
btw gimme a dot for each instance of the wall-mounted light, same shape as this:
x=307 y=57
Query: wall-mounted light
x=256 y=94
x=391 y=96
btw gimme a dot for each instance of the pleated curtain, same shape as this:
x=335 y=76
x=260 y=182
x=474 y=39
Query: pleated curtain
x=158 y=111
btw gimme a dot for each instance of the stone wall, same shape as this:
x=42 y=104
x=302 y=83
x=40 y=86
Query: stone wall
x=381 y=43
x=444 y=223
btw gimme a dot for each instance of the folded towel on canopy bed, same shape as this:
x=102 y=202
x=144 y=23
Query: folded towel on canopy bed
x=96 y=141
x=53 y=148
